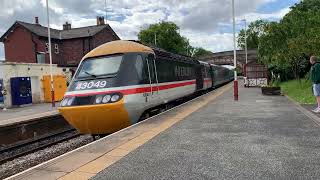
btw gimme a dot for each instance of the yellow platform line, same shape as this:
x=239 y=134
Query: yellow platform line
x=92 y=168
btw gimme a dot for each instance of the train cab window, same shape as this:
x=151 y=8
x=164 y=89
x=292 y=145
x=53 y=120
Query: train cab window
x=102 y=66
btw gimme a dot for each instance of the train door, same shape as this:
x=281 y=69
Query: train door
x=211 y=74
x=205 y=78
x=1 y=95
x=199 y=78
x=153 y=96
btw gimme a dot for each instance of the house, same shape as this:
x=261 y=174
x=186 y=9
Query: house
x=28 y=43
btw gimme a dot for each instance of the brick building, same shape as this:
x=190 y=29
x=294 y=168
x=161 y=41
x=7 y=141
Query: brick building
x=28 y=43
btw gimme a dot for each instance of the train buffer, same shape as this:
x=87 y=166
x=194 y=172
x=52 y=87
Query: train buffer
x=212 y=137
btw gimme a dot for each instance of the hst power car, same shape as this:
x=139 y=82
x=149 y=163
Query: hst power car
x=118 y=82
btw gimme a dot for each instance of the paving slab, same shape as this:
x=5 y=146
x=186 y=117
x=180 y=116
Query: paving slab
x=258 y=137
x=29 y=112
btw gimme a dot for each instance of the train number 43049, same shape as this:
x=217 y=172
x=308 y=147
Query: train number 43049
x=91 y=85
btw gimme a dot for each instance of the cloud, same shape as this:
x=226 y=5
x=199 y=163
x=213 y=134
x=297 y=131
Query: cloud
x=250 y=17
x=205 y=22
x=216 y=42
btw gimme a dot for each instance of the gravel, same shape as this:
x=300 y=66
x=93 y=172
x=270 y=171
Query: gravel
x=22 y=163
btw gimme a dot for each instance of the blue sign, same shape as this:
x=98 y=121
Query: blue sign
x=21 y=90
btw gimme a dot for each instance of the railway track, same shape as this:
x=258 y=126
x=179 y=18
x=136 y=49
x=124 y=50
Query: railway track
x=23 y=138
x=20 y=149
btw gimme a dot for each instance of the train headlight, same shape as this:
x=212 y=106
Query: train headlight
x=98 y=99
x=106 y=98
x=70 y=101
x=115 y=98
x=64 y=102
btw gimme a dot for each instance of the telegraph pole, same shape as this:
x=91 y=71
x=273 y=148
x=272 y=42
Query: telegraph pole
x=50 y=57
x=235 y=82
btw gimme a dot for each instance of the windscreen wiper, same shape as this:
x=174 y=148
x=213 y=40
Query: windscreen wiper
x=92 y=75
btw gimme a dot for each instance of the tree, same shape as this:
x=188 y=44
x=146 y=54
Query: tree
x=287 y=45
x=198 y=52
x=165 y=35
x=255 y=30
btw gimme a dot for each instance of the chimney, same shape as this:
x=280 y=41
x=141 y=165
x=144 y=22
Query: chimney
x=36 y=19
x=100 y=20
x=66 y=26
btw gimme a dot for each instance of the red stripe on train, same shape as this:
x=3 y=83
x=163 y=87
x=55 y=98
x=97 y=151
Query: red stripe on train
x=138 y=90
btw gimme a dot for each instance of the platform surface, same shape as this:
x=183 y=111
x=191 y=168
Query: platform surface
x=259 y=137
x=29 y=112
x=212 y=137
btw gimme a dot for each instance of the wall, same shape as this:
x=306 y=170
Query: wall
x=35 y=71
x=104 y=36
x=40 y=43
x=72 y=50
x=19 y=46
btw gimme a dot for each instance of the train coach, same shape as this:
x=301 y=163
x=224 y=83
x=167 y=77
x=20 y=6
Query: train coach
x=118 y=82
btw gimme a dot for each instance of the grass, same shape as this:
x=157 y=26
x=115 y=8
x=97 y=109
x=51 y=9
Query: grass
x=300 y=91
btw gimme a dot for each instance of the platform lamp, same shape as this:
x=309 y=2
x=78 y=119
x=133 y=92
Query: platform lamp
x=235 y=82
x=50 y=57
x=246 y=48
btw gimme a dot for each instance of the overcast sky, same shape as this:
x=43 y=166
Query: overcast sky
x=206 y=23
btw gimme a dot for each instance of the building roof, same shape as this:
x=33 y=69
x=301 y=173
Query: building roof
x=59 y=34
x=252 y=52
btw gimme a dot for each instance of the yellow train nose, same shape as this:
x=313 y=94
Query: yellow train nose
x=97 y=119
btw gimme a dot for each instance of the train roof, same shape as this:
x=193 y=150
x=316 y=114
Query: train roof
x=116 y=47
x=205 y=63
x=127 y=46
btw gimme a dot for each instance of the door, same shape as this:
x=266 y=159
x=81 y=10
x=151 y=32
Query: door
x=153 y=94
x=1 y=88
x=199 y=78
x=21 y=90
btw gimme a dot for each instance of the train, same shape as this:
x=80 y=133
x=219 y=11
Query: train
x=116 y=83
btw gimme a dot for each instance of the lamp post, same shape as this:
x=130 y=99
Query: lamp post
x=235 y=82
x=50 y=56
x=246 y=39
x=246 y=52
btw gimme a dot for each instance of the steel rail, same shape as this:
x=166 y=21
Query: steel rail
x=23 y=150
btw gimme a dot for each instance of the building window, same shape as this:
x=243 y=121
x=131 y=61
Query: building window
x=41 y=58
x=47 y=47
x=56 y=48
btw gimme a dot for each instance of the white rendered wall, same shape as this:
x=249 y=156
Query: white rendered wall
x=35 y=71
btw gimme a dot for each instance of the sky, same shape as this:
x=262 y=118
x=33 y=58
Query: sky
x=206 y=23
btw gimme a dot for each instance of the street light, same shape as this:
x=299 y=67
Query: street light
x=245 y=39
x=235 y=82
x=246 y=51
x=50 y=56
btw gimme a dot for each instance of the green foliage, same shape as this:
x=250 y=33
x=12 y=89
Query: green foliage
x=299 y=90
x=255 y=30
x=165 y=35
x=198 y=52
x=288 y=44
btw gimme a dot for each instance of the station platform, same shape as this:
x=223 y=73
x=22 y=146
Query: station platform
x=212 y=137
x=26 y=113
